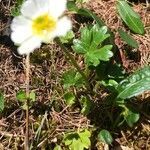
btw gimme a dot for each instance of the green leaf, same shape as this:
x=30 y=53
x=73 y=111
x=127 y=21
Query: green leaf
x=85 y=138
x=85 y=133
x=90 y=45
x=72 y=6
x=105 y=53
x=68 y=37
x=99 y=35
x=76 y=145
x=86 y=36
x=32 y=96
x=69 y=98
x=88 y=13
x=128 y=39
x=135 y=84
x=79 y=46
x=1 y=102
x=72 y=78
x=109 y=83
x=86 y=105
x=15 y=11
x=105 y=136
x=69 y=138
x=78 y=140
x=130 y=116
x=21 y=96
x=130 y=17
x=57 y=147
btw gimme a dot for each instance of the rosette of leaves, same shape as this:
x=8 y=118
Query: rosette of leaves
x=91 y=45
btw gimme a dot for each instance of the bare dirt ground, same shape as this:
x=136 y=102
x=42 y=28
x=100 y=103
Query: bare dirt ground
x=47 y=67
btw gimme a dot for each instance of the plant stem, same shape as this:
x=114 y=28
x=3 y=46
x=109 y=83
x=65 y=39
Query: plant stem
x=74 y=63
x=27 y=65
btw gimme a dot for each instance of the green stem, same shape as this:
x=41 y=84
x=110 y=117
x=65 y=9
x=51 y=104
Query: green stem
x=74 y=63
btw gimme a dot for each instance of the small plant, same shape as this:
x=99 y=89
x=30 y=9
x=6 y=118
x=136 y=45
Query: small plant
x=38 y=22
x=22 y=97
x=78 y=140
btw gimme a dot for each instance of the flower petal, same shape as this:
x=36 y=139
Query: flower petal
x=21 y=29
x=18 y=22
x=34 y=8
x=29 y=45
x=63 y=26
x=57 y=7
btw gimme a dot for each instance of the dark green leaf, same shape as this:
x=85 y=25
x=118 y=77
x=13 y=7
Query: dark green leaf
x=131 y=117
x=72 y=6
x=21 y=96
x=1 y=102
x=128 y=39
x=105 y=137
x=135 y=84
x=72 y=78
x=130 y=17
x=86 y=12
x=86 y=105
x=90 y=45
x=90 y=14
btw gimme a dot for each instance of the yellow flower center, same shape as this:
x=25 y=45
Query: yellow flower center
x=43 y=25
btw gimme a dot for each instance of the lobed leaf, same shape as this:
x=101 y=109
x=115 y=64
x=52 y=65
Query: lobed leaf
x=90 y=45
x=72 y=78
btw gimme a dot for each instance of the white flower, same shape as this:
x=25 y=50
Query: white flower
x=40 y=22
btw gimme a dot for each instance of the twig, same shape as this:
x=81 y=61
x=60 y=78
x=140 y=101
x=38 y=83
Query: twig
x=27 y=102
